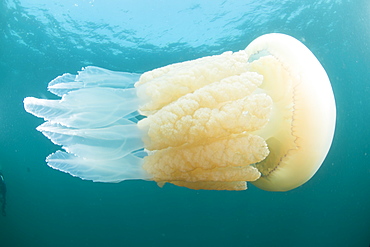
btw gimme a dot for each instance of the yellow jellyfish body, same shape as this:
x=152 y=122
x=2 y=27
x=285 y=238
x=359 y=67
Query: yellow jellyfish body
x=265 y=114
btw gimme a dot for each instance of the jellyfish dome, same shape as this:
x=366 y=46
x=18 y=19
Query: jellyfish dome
x=265 y=114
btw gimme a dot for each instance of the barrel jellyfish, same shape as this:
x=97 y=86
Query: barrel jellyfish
x=265 y=115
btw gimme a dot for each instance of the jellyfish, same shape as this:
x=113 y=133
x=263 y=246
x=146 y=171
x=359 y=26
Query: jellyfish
x=264 y=115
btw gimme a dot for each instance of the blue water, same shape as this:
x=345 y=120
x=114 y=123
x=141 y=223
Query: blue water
x=41 y=39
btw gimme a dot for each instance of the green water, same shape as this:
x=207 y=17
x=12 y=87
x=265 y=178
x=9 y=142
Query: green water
x=42 y=39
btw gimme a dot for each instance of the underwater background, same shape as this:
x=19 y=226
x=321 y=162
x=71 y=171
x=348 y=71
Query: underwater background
x=41 y=39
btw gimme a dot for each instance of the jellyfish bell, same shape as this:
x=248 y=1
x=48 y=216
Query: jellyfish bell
x=300 y=133
x=265 y=114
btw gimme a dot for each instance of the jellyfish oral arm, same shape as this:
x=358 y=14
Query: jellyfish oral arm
x=95 y=123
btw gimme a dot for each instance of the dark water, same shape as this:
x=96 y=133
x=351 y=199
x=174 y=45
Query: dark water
x=41 y=39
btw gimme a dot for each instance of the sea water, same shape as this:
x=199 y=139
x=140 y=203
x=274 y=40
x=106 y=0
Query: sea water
x=41 y=39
